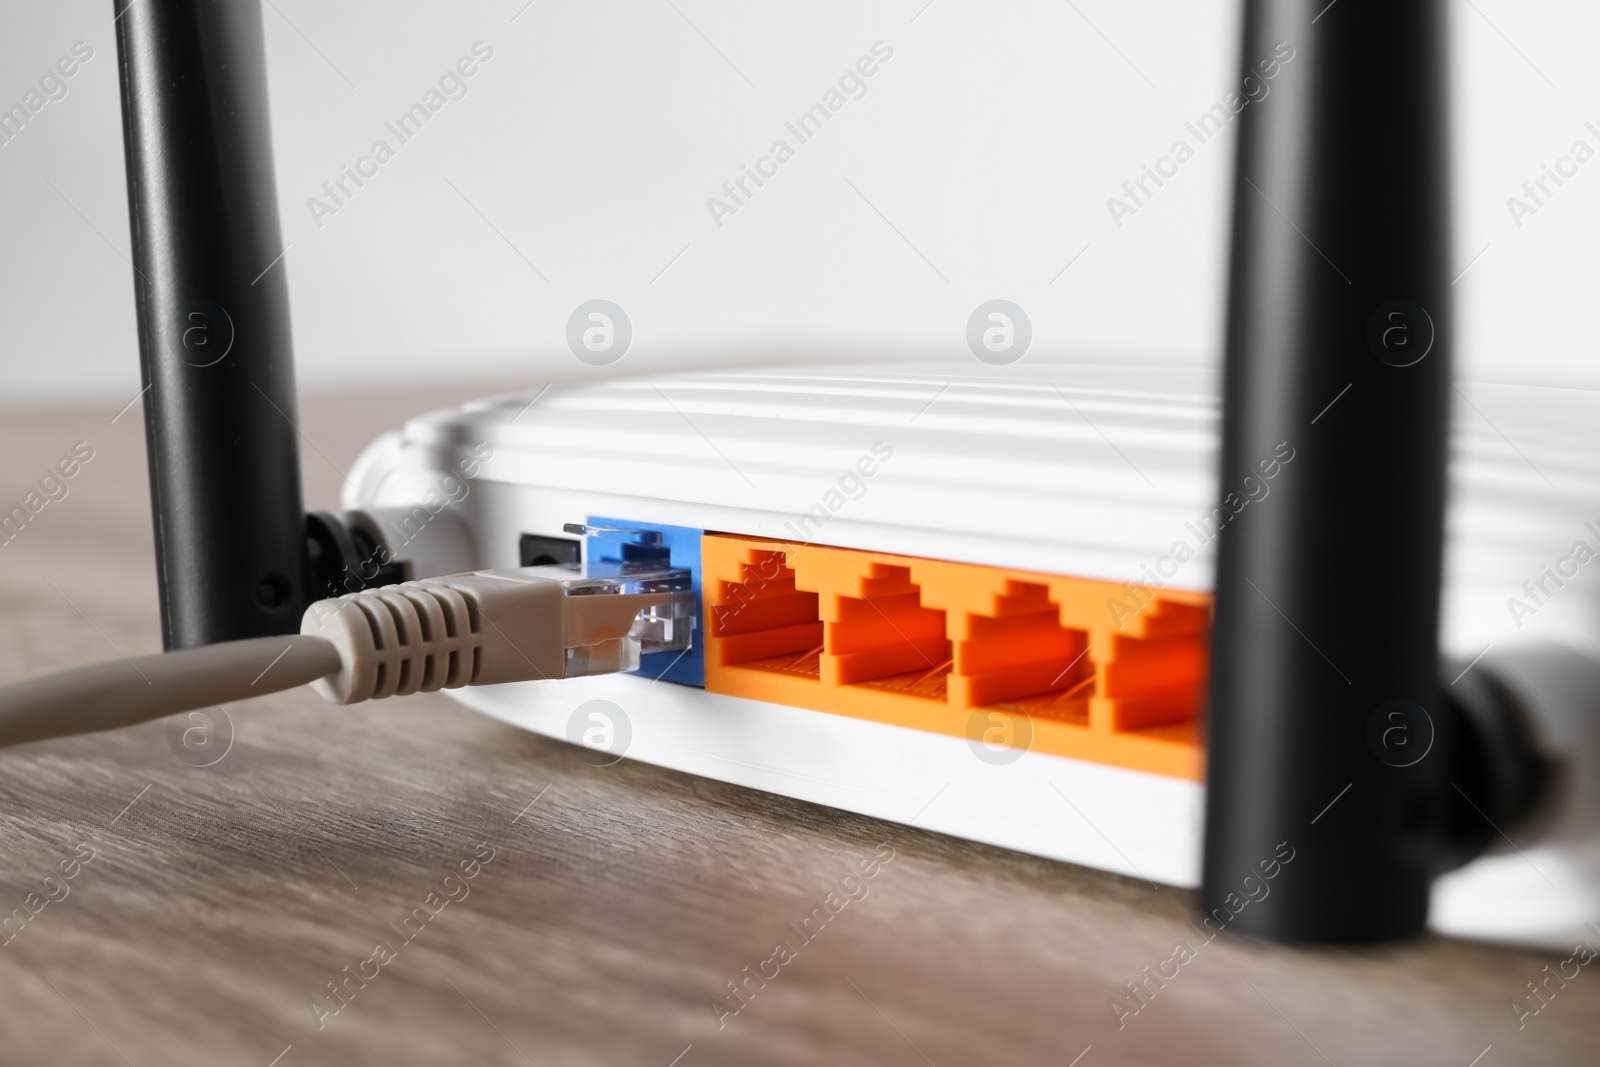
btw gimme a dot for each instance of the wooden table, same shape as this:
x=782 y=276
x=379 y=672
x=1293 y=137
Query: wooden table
x=618 y=903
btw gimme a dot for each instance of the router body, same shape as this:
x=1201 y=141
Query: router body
x=976 y=600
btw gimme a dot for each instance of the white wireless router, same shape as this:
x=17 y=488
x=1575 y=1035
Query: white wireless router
x=989 y=601
x=1097 y=475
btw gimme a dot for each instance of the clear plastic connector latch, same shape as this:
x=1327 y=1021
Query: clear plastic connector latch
x=593 y=640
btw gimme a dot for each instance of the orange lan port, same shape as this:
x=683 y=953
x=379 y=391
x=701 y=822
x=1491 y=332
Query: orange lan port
x=763 y=622
x=1021 y=659
x=886 y=639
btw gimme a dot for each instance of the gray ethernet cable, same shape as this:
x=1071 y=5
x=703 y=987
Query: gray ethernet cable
x=479 y=628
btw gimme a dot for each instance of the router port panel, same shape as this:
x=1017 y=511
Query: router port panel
x=1101 y=671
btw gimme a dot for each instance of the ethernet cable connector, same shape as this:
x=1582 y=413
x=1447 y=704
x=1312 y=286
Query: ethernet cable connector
x=495 y=626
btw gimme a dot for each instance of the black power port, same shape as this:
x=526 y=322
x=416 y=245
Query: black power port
x=536 y=550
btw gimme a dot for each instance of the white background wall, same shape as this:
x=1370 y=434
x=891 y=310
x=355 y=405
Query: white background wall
x=594 y=136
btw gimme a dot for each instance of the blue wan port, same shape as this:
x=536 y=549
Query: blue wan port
x=679 y=547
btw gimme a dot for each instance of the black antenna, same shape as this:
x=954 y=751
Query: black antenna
x=1325 y=698
x=213 y=307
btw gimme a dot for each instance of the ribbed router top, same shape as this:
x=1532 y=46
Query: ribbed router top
x=1097 y=470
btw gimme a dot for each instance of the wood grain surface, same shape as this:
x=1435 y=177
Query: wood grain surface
x=619 y=902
